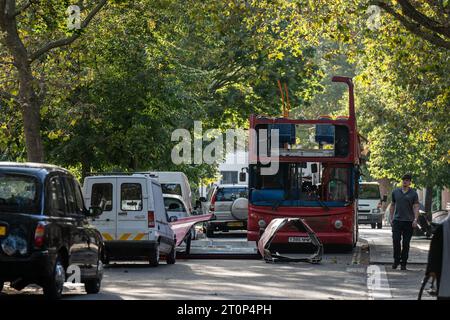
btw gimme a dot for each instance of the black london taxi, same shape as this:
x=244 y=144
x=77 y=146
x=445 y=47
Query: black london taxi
x=44 y=230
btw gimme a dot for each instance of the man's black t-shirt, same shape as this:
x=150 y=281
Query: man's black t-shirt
x=404 y=204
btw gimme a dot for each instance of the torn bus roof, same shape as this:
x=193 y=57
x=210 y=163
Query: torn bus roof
x=182 y=226
x=277 y=224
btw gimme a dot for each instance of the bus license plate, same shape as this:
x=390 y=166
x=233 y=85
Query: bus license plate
x=300 y=239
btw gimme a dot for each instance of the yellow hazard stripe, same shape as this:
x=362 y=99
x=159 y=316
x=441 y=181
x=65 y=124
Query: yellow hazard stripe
x=139 y=236
x=125 y=236
x=107 y=236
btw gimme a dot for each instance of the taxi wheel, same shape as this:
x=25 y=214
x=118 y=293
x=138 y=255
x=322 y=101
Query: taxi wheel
x=92 y=286
x=373 y=225
x=154 y=257
x=53 y=286
x=172 y=256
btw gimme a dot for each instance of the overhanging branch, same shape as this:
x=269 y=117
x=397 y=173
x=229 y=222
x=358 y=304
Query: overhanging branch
x=23 y=8
x=66 y=41
x=411 y=12
x=414 y=27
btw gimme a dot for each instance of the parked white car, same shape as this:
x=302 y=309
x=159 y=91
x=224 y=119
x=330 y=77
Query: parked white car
x=134 y=222
x=176 y=209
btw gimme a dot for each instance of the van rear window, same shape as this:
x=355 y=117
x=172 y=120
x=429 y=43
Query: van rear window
x=102 y=196
x=131 y=197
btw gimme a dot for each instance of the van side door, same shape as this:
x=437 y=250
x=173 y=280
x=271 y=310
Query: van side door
x=101 y=192
x=132 y=209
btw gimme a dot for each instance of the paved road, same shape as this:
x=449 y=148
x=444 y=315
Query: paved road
x=339 y=276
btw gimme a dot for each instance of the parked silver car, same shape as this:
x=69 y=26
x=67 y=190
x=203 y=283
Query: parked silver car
x=219 y=202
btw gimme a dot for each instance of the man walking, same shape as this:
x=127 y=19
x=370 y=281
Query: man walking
x=404 y=213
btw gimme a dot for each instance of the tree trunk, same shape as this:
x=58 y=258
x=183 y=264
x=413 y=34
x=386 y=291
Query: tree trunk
x=428 y=200
x=85 y=168
x=31 y=116
x=30 y=105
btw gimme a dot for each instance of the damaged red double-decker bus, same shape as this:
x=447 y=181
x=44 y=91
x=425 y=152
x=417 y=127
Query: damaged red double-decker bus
x=316 y=179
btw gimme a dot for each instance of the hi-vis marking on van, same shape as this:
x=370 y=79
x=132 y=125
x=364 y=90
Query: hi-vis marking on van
x=139 y=236
x=107 y=236
x=125 y=236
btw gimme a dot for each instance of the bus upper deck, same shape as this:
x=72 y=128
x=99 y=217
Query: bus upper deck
x=316 y=178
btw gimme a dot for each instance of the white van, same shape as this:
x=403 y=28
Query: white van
x=370 y=204
x=134 y=222
x=175 y=183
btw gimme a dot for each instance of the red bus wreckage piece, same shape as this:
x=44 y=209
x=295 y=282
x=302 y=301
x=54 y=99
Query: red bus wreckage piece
x=277 y=224
x=182 y=226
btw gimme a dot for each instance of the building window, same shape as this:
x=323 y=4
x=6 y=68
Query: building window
x=229 y=177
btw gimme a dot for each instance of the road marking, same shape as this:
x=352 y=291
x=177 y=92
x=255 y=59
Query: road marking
x=378 y=283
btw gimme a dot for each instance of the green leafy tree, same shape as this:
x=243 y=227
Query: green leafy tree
x=29 y=31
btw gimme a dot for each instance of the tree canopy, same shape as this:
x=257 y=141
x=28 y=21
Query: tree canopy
x=108 y=96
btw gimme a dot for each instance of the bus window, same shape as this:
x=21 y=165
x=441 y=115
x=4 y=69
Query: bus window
x=298 y=182
x=306 y=140
x=338 y=184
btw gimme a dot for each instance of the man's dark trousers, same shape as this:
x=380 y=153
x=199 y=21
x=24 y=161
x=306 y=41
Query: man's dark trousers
x=402 y=232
